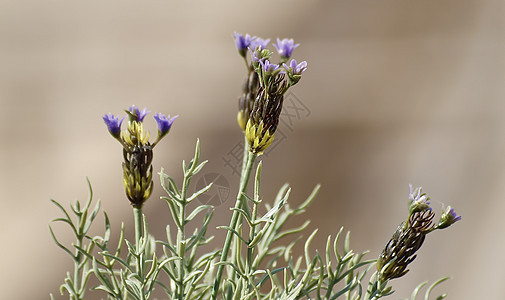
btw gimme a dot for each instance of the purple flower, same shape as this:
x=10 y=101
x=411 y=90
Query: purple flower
x=268 y=67
x=164 y=123
x=113 y=124
x=136 y=114
x=258 y=42
x=448 y=217
x=418 y=201
x=285 y=47
x=418 y=196
x=255 y=55
x=453 y=214
x=242 y=42
x=296 y=69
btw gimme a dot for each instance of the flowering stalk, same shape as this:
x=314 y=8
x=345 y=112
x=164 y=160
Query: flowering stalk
x=260 y=106
x=408 y=238
x=138 y=157
x=244 y=179
x=258 y=267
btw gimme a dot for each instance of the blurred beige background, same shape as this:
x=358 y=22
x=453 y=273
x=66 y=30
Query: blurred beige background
x=396 y=92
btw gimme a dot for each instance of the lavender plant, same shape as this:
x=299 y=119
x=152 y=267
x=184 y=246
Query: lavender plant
x=253 y=262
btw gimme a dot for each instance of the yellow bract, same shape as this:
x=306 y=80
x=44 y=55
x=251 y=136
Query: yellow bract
x=241 y=119
x=135 y=134
x=259 y=139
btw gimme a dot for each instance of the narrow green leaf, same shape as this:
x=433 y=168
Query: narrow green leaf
x=198 y=168
x=233 y=231
x=120 y=260
x=197 y=210
x=60 y=245
x=69 y=222
x=91 y=218
x=416 y=290
x=344 y=290
x=107 y=285
x=293 y=230
x=428 y=292
x=306 y=248
x=309 y=200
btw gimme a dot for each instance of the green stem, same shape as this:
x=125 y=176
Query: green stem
x=138 y=220
x=139 y=234
x=181 y=236
x=77 y=271
x=252 y=233
x=245 y=159
x=244 y=179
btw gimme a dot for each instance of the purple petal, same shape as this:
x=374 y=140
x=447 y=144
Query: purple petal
x=113 y=124
x=164 y=122
x=137 y=113
x=241 y=41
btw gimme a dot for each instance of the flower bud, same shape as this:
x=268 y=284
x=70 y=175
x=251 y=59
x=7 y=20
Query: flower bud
x=447 y=218
x=418 y=201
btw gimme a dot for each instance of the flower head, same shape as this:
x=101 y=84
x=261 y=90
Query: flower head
x=113 y=124
x=242 y=42
x=268 y=67
x=258 y=42
x=285 y=47
x=137 y=151
x=448 y=217
x=258 y=137
x=258 y=57
x=137 y=114
x=164 y=123
x=418 y=201
x=295 y=71
x=264 y=116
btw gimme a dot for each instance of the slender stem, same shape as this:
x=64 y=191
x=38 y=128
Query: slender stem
x=252 y=232
x=139 y=234
x=245 y=158
x=244 y=179
x=181 y=236
x=138 y=218
x=247 y=64
x=77 y=271
x=181 y=254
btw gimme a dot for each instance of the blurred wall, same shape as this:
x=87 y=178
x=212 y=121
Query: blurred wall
x=396 y=92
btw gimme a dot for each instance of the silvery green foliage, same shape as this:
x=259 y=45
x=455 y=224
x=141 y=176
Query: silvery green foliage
x=75 y=284
x=186 y=269
x=260 y=264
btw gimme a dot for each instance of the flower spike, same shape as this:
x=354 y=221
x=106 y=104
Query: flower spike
x=137 y=151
